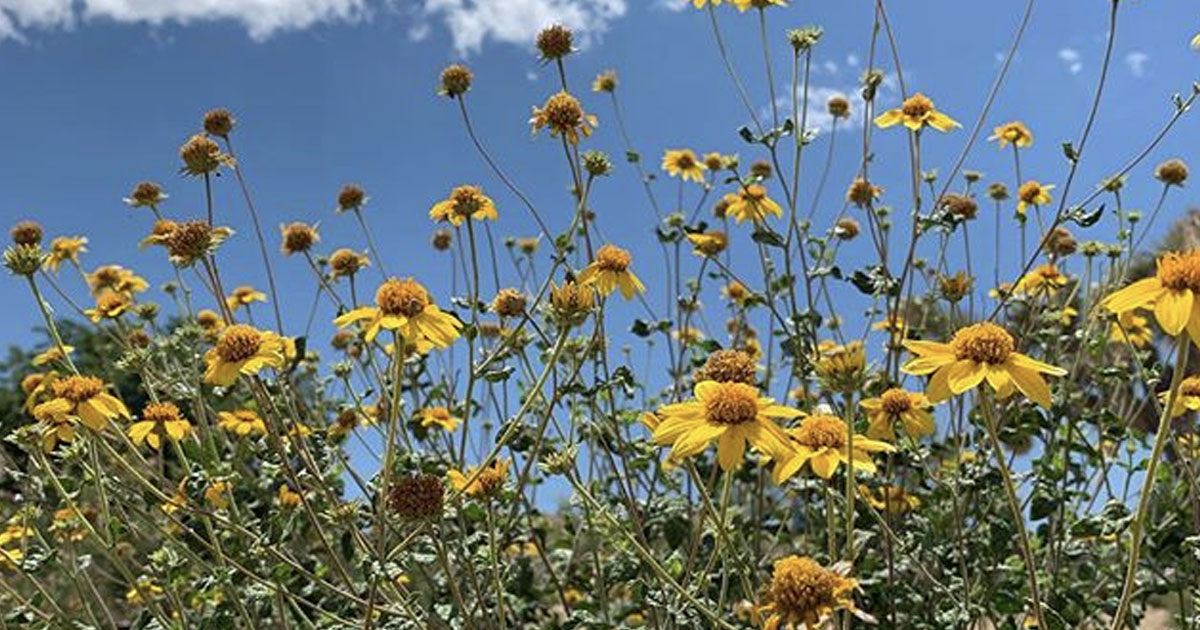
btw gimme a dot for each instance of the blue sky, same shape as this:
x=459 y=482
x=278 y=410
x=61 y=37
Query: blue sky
x=99 y=95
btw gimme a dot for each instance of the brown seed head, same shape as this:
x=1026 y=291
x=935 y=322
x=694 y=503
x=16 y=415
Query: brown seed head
x=402 y=297
x=238 y=343
x=299 y=238
x=555 y=42
x=509 y=303
x=728 y=366
x=456 y=80
x=219 y=122
x=27 y=233
x=1173 y=172
x=417 y=497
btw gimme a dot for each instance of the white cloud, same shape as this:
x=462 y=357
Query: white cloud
x=261 y=18
x=472 y=23
x=819 y=119
x=672 y=5
x=1136 y=61
x=1072 y=59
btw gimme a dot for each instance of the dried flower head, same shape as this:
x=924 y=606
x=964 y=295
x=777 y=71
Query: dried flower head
x=456 y=80
x=862 y=192
x=997 y=191
x=347 y=262
x=1061 y=242
x=605 y=82
x=219 y=122
x=846 y=228
x=442 y=238
x=351 y=197
x=838 y=106
x=201 y=156
x=555 y=42
x=563 y=115
x=417 y=497
x=26 y=233
x=728 y=366
x=298 y=237
x=1173 y=172
x=191 y=240
x=509 y=303
x=961 y=207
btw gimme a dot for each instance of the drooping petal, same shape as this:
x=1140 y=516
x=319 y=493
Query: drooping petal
x=697 y=439
x=731 y=448
x=1033 y=364
x=824 y=463
x=1030 y=383
x=966 y=375
x=1173 y=309
x=1140 y=294
x=889 y=118
x=939 y=387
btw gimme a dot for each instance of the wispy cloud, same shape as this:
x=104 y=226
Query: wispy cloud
x=1071 y=59
x=472 y=23
x=1136 y=61
x=818 y=119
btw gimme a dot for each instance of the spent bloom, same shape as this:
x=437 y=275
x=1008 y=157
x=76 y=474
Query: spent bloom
x=563 y=116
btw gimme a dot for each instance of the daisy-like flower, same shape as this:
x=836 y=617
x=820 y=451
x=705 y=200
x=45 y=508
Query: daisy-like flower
x=893 y=324
x=481 y=482
x=439 y=417
x=115 y=278
x=1014 y=133
x=708 y=243
x=896 y=406
x=733 y=414
x=464 y=202
x=1042 y=281
x=1171 y=292
x=242 y=422
x=289 y=498
x=83 y=398
x=215 y=495
x=684 y=164
x=51 y=355
x=737 y=293
x=563 y=115
x=823 y=442
x=64 y=248
x=610 y=271
x=242 y=349
x=109 y=305
x=804 y=594
x=743 y=5
x=892 y=500
x=56 y=425
x=346 y=262
x=753 y=205
x=916 y=113
x=1186 y=399
x=700 y=4
x=244 y=296
x=605 y=81
x=979 y=352
x=841 y=367
x=1133 y=328
x=405 y=306
x=1033 y=193
x=159 y=420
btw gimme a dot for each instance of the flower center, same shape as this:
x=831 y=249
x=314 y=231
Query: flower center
x=1029 y=192
x=802 y=589
x=402 y=297
x=684 y=161
x=728 y=366
x=1190 y=386
x=467 y=200
x=612 y=258
x=983 y=343
x=895 y=402
x=161 y=413
x=917 y=106
x=563 y=111
x=821 y=430
x=238 y=343
x=1180 y=271
x=754 y=193
x=734 y=403
x=107 y=303
x=77 y=389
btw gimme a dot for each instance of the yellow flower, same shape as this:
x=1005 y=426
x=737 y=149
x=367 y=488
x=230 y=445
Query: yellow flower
x=289 y=498
x=1171 y=292
x=64 y=248
x=143 y=589
x=215 y=494
x=708 y=243
x=1015 y=133
x=916 y=113
x=52 y=354
x=244 y=296
x=753 y=204
x=911 y=410
x=115 y=278
x=1133 y=328
x=805 y=594
x=737 y=293
x=841 y=367
x=10 y=557
x=682 y=163
x=242 y=422
x=1196 y=41
x=242 y=349
x=1033 y=193
x=563 y=115
x=481 y=482
x=439 y=417
x=733 y=414
x=159 y=420
x=892 y=500
x=82 y=398
x=979 y=352
x=463 y=202
x=1187 y=399
x=109 y=305
x=742 y=5
x=823 y=442
x=1042 y=281
x=605 y=81
x=404 y=306
x=894 y=324
x=610 y=271
x=699 y=4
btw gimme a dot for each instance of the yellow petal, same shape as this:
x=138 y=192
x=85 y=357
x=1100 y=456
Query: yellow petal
x=965 y=375
x=1140 y=294
x=1173 y=309
x=1030 y=383
x=889 y=118
x=731 y=448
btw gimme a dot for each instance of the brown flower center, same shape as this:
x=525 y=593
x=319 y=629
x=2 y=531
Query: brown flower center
x=821 y=430
x=803 y=589
x=238 y=343
x=563 y=111
x=1190 y=386
x=685 y=161
x=467 y=200
x=1180 y=271
x=161 y=413
x=983 y=343
x=733 y=403
x=895 y=402
x=110 y=303
x=728 y=366
x=77 y=389
x=613 y=258
x=402 y=297
x=917 y=106
x=1029 y=192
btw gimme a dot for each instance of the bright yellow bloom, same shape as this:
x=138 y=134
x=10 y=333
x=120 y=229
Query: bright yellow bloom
x=109 y=305
x=610 y=271
x=841 y=367
x=682 y=163
x=10 y=557
x=1033 y=193
x=823 y=442
x=1171 y=292
x=733 y=414
x=979 y=352
x=1015 y=133
x=1188 y=398
x=805 y=594
x=753 y=204
x=892 y=500
x=481 y=482
x=159 y=420
x=439 y=417
x=742 y=5
x=242 y=349
x=244 y=296
x=563 y=115
x=215 y=494
x=896 y=406
x=699 y=4
x=916 y=113
x=1131 y=327
x=116 y=278
x=289 y=498
x=242 y=422
x=405 y=306
x=64 y=248
x=52 y=354
x=463 y=202
x=144 y=588
x=83 y=398
x=1042 y=281
x=708 y=243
